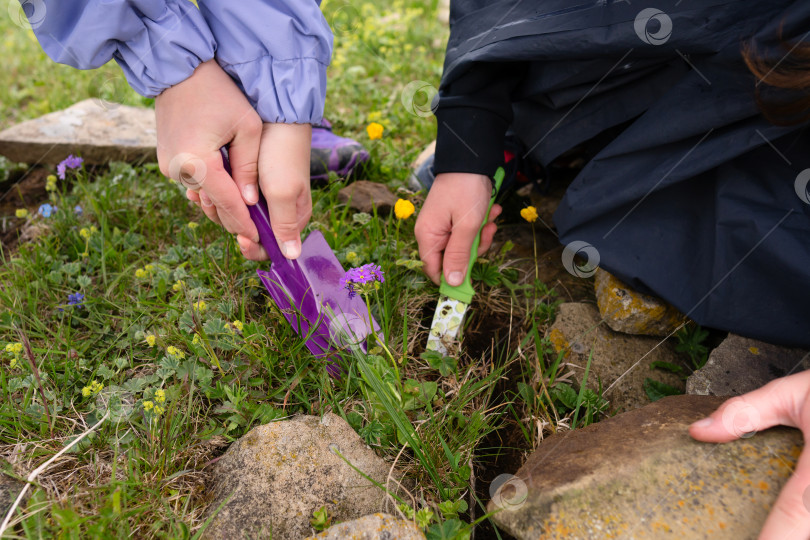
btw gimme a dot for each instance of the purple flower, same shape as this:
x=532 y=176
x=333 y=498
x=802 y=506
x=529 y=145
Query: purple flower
x=78 y=210
x=70 y=162
x=76 y=299
x=360 y=276
x=46 y=210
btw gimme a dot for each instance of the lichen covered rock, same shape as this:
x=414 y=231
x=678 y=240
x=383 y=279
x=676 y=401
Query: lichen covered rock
x=640 y=475
x=272 y=479
x=631 y=312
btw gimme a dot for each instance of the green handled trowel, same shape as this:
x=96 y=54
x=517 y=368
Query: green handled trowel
x=454 y=301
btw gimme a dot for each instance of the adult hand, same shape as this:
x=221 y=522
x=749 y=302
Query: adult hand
x=449 y=221
x=784 y=402
x=194 y=119
x=284 y=179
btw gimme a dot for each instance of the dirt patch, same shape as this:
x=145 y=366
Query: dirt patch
x=23 y=189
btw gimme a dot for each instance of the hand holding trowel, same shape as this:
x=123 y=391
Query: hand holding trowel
x=454 y=301
x=307 y=290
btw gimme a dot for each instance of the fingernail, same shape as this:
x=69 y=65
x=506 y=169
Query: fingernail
x=206 y=201
x=702 y=424
x=455 y=278
x=250 y=193
x=292 y=249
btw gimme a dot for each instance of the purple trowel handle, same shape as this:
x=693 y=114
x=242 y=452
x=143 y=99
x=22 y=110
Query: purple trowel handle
x=261 y=218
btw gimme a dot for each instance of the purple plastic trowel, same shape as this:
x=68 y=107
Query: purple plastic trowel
x=307 y=291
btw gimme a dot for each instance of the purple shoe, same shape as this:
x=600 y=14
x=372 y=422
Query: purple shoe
x=333 y=153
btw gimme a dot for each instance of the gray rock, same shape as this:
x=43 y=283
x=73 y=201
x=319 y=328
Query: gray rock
x=373 y=527
x=579 y=330
x=739 y=365
x=97 y=131
x=640 y=475
x=364 y=196
x=272 y=479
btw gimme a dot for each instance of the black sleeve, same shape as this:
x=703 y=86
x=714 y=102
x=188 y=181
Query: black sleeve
x=474 y=111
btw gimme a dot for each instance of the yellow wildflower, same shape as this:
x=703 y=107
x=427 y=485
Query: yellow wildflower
x=86 y=233
x=238 y=325
x=50 y=184
x=404 y=209
x=174 y=352
x=13 y=363
x=149 y=268
x=140 y=273
x=196 y=339
x=253 y=282
x=529 y=214
x=160 y=395
x=192 y=225
x=21 y=213
x=200 y=306
x=92 y=389
x=373 y=116
x=159 y=410
x=150 y=339
x=148 y=405
x=178 y=285
x=14 y=348
x=352 y=258
x=374 y=131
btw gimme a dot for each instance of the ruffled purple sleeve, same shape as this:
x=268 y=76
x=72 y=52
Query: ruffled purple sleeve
x=277 y=51
x=157 y=43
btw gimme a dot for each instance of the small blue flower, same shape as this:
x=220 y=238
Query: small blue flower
x=46 y=210
x=76 y=299
x=78 y=210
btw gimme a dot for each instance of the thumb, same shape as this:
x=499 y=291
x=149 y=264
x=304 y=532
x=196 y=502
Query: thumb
x=457 y=252
x=244 y=157
x=742 y=416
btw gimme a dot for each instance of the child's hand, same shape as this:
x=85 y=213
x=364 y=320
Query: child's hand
x=284 y=178
x=786 y=402
x=194 y=119
x=450 y=219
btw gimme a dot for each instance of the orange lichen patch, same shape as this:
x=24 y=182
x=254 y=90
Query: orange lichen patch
x=558 y=341
x=681 y=503
x=753 y=350
x=721 y=525
x=635 y=312
x=763 y=486
x=658 y=526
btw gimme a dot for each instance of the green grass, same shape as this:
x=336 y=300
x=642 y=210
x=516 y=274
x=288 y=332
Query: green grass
x=147 y=261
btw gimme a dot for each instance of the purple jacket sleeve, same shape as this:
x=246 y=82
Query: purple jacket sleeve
x=158 y=43
x=278 y=51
